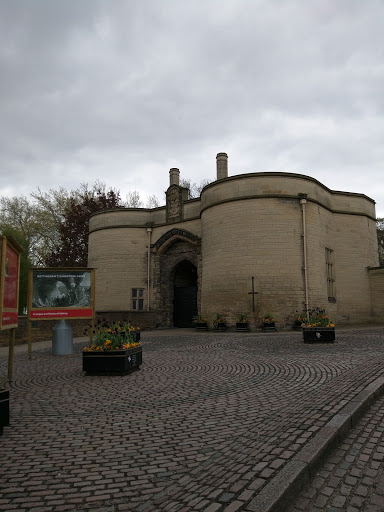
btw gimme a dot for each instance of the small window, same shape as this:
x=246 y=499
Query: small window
x=137 y=299
x=330 y=271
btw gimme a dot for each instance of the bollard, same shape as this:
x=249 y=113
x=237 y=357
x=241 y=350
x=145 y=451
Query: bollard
x=62 y=341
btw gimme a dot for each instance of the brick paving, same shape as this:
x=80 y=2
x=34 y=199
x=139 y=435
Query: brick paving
x=207 y=423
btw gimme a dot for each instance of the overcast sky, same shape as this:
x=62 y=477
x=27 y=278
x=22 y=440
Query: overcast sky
x=122 y=90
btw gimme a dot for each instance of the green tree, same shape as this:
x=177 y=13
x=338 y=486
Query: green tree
x=72 y=249
x=36 y=219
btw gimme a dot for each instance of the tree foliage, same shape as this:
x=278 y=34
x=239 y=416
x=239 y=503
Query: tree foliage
x=53 y=225
x=133 y=200
x=37 y=220
x=380 y=239
x=72 y=250
x=194 y=189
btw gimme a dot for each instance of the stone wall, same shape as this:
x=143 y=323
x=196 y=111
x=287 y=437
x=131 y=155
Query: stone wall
x=260 y=238
x=119 y=258
x=249 y=225
x=376 y=278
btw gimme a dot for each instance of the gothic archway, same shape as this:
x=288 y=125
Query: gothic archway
x=176 y=260
x=185 y=294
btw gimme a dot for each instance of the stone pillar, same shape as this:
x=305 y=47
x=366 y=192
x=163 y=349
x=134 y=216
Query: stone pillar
x=222 y=165
x=174 y=176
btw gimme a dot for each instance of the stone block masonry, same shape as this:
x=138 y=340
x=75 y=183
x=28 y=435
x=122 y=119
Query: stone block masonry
x=244 y=226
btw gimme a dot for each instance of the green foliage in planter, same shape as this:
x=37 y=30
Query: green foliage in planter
x=318 y=318
x=117 y=336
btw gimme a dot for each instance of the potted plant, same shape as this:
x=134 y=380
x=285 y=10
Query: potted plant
x=319 y=328
x=242 y=324
x=116 y=350
x=219 y=323
x=200 y=322
x=4 y=409
x=268 y=323
x=300 y=320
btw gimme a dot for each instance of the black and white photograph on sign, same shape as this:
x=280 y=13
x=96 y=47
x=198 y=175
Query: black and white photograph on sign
x=61 y=289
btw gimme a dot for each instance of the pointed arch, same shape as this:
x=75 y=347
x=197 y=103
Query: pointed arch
x=172 y=236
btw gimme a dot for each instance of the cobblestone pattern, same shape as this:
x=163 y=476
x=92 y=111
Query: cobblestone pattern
x=352 y=477
x=204 y=425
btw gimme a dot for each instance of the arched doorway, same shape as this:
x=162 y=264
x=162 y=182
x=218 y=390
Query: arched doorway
x=185 y=294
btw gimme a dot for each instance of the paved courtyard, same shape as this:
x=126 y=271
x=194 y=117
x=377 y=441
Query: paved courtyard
x=211 y=422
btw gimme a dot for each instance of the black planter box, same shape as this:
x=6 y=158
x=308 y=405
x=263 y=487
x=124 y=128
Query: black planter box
x=220 y=327
x=242 y=326
x=269 y=326
x=297 y=325
x=201 y=326
x=118 y=362
x=319 y=334
x=4 y=409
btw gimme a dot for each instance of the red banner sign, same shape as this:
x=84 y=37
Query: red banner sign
x=36 y=314
x=10 y=319
x=11 y=279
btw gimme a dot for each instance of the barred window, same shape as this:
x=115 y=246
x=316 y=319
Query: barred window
x=330 y=270
x=137 y=300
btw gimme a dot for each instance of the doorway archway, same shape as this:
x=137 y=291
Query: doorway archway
x=185 y=294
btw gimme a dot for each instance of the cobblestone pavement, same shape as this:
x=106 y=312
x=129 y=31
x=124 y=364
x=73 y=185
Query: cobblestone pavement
x=352 y=477
x=208 y=423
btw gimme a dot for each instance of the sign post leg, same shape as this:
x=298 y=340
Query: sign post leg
x=11 y=352
x=29 y=339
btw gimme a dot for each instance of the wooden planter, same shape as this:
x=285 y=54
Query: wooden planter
x=319 y=334
x=269 y=326
x=220 y=327
x=118 y=362
x=4 y=409
x=242 y=326
x=201 y=326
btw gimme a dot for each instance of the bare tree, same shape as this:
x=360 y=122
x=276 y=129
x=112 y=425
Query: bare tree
x=153 y=202
x=194 y=189
x=133 y=200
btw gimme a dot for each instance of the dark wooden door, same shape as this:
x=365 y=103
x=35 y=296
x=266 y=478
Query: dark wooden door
x=185 y=305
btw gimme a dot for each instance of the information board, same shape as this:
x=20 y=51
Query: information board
x=9 y=283
x=60 y=294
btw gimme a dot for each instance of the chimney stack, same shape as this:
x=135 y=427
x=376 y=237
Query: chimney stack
x=174 y=176
x=222 y=165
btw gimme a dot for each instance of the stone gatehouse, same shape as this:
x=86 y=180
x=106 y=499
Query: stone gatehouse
x=304 y=245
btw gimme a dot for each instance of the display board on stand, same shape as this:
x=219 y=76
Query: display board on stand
x=9 y=292
x=60 y=294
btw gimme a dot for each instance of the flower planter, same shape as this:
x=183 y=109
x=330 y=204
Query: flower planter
x=269 y=326
x=4 y=409
x=117 y=362
x=319 y=334
x=242 y=326
x=201 y=326
x=297 y=325
x=220 y=327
